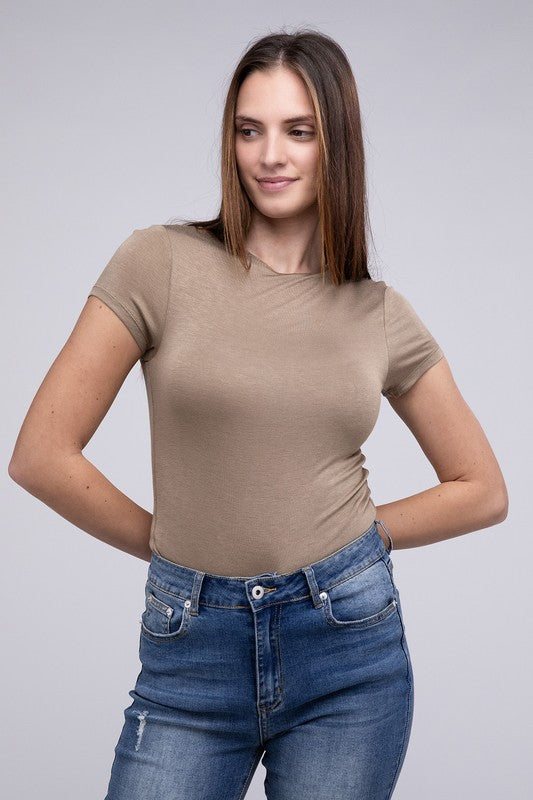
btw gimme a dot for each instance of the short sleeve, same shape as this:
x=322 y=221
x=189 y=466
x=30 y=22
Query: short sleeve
x=411 y=348
x=135 y=284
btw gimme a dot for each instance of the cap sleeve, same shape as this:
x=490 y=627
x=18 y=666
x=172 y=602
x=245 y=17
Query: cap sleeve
x=135 y=284
x=411 y=348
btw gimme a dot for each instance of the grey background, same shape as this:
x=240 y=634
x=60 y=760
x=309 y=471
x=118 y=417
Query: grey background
x=113 y=118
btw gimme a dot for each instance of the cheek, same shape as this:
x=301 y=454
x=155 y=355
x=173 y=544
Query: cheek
x=309 y=163
x=242 y=156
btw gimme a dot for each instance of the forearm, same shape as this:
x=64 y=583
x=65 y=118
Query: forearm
x=450 y=509
x=74 y=488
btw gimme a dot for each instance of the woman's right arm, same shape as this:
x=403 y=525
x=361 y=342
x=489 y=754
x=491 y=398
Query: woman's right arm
x=70 y=404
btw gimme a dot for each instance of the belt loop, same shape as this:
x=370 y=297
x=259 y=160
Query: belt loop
x=379 y=522
x=195 y=592
x=313 y=586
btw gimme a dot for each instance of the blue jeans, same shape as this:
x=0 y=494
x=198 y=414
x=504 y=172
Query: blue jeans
x=308 y=669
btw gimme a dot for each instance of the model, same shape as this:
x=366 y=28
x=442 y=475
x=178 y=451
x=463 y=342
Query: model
x=272 y=625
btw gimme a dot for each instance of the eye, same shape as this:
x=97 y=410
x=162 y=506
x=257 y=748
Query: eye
x=300 y=133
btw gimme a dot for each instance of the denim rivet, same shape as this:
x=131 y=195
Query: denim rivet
x=323 y=595
x=187 y=603
x=169 y=612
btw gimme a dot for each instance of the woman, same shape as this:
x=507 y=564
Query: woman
x=272 y=625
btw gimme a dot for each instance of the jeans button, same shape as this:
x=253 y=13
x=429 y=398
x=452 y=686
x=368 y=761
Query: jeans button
x=258 y=592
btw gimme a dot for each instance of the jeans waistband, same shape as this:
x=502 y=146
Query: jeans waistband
x=267 y=588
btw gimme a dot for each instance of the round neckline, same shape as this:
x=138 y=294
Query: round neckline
x=203 y=234
x=283 y=274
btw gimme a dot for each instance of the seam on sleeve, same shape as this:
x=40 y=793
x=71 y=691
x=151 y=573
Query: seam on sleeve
x=385 y=331
x=141 y=341
x=169 y=282
x=417 y=372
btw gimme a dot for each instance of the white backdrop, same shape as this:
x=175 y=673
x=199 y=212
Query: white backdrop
x=113 y=121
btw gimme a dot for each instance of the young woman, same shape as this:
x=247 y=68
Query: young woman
x=272 y=624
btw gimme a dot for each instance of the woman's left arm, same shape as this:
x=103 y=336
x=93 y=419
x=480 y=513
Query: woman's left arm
x=472 y=493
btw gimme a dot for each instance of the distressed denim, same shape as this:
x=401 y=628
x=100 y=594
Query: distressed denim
x=308 y=671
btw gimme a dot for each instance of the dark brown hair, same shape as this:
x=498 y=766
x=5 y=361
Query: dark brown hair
x=341 y=187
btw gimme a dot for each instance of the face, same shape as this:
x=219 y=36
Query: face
x=270 y=142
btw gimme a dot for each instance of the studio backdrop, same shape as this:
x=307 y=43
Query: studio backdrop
x=112 y=118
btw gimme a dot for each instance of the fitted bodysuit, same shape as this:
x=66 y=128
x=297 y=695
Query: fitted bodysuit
x=262 y=387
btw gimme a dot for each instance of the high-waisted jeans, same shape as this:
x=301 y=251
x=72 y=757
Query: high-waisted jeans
x=309 y=670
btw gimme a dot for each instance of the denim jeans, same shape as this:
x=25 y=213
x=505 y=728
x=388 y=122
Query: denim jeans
x=309 y=670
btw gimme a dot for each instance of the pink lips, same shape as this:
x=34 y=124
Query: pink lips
x=275 y=184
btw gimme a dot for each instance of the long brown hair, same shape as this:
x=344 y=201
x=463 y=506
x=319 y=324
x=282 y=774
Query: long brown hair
x=341 y=186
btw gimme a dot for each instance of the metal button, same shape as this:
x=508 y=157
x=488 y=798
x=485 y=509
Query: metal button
x=258 y=592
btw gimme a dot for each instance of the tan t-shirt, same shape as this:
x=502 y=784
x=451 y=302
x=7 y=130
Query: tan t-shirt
x=262 y=387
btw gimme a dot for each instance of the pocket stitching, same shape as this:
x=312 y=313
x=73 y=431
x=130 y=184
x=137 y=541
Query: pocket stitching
x=365 y=622
x=167 y=637
x=162 y=608
x=158 y=604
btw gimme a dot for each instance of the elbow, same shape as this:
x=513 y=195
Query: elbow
x=13 y=470
x=497 y=504
x=503 y=505
x=26 y=470
x=18 y=473
x=22 y=463
x=36 y=470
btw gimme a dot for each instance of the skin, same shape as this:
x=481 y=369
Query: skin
x=285 y=228
x=85 y=377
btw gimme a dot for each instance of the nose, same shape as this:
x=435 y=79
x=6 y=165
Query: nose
x=273 y=150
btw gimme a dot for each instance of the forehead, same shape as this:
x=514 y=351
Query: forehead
x=274 y=91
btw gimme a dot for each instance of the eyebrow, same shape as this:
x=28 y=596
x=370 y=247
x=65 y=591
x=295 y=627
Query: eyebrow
x=290 y=120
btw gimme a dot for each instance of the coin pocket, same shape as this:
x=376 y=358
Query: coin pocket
x=166 y=616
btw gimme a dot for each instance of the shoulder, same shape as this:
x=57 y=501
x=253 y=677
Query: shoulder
x=385 y=303
x=383 y=292
x=171 y=237
x=397 y=306
x=162 y=247
x=367 y=295
x=187 y=239
x=368 y=288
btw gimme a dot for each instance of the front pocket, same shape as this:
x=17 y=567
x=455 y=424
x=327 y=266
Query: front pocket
x=166 y=615
x=362 y=600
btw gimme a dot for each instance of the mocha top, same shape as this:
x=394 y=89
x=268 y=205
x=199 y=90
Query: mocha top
x=262 y=387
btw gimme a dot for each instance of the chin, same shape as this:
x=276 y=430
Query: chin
x=280 y=213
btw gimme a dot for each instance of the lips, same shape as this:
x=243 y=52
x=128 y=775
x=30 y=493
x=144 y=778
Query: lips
x=280 y=179
x=275 y=184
